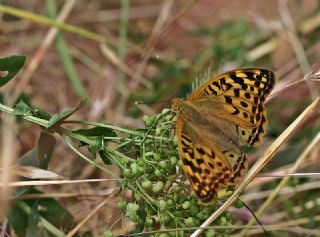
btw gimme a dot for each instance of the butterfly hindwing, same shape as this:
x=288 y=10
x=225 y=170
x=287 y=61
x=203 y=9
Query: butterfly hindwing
x=205 y=165
x=239 y=165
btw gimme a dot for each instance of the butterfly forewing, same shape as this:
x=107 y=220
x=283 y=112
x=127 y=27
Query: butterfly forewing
x=237 y=97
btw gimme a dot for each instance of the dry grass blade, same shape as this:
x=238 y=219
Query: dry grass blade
x=54 y=182
x=8 y=155
x=260 y=164
x=85 y=220
x=291 y=226
x=283 y=182
x=40 y=54
x=35 y=173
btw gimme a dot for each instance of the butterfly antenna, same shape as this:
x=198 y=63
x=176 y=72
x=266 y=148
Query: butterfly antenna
x=266 y=233
x=150 y=103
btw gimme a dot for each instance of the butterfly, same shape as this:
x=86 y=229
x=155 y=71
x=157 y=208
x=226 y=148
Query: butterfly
x=216 y=122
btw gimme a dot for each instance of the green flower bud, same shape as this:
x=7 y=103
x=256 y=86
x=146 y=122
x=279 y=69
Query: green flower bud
x=210 y=233
x=173 y=161
x=140 y=162
x=165 y=218
x=126 y=173
x=132 y=207
x=162 y=205
x=122 y=204
x=186 y=205
x=189 y=221
x=157 y=187
x=238 y=204
x=107 y=233
x=170 y=203
x=150 y=222
x=146 y=184
x=163 y=164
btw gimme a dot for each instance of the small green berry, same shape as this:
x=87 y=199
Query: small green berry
x=124 y=160
x=146 y=184
x=227 y=215
x=210 y=233
x=158 y=173
x=132 y=207
x=122 y=204
x=148 y=120
x=162 y=205
x=222 y=220
x=189 y=221
x=238 y=204
x=150 y=221
x=170 y=203
x=186 y=205
x=157 y=187
x=156 y=156
x=126 y=173
x=165 y=218
x=133 y=165
x=164 y=235
x=163 y=164
x=107 y=233
x=141 y=169
x=140 y=162
x=173 y=161
x=134 y=217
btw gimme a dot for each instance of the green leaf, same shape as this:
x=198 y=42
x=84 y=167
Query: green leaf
x=10 y=66
x=57 y=119
x=105 y=157
x=97 y=131
x=24 y=217
x=46 y=144
x=41 y=113
x=29 y=158
x=18 y=220
x=56 y=214
x=34 y=228
x=39 y=158
x=22 y=109
x=97 y=146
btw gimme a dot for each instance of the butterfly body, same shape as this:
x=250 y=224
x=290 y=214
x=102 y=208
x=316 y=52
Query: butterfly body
x=216 y=122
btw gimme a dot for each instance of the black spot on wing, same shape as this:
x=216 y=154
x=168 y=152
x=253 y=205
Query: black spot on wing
x=239 y=81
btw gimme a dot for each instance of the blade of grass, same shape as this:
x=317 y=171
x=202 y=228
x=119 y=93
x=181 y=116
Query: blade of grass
x=122 y=53
x=65 y=56
x=50 y=22
x=283 y=182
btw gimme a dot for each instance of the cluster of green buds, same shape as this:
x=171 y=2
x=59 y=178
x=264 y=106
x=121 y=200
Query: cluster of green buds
x=162 y=198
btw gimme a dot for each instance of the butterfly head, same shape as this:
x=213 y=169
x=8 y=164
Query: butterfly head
x=176 y=104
